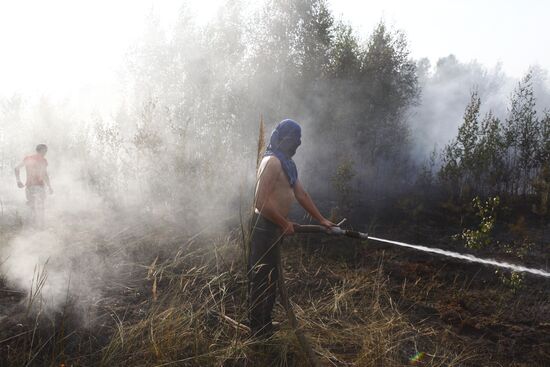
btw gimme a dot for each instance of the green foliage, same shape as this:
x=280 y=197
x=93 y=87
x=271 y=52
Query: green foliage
x=521 y=131
x=460 y=159
x=482 y=236
x=344 y=59
x=513 y=280
x=389 y=87
x=541 y=183
x=489 y=157
x=543 y=156
x=519 y=250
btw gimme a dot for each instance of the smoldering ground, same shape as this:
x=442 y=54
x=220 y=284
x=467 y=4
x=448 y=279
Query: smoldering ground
x=67 y=260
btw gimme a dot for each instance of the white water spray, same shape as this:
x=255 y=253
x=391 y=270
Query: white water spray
x=337 y=231
x=466 y=257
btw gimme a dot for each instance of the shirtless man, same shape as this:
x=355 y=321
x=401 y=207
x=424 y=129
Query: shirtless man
x=277 y=187
x=37 y=177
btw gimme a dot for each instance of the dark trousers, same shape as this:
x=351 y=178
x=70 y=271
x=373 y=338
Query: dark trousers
x=263 y=273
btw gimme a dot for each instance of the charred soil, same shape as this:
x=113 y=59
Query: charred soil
x=361 y=304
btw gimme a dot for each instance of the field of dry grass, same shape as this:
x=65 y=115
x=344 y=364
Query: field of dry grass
x=171 y=302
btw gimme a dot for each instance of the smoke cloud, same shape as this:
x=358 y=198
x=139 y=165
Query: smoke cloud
x=446 y=90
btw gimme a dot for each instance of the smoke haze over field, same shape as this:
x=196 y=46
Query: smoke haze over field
x=169 y=135
x=446 y=89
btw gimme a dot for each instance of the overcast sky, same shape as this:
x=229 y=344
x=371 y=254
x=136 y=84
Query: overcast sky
x=60 y=46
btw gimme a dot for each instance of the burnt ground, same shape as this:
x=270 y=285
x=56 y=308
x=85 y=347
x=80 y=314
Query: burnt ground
x=456 y=313
x=469 y=303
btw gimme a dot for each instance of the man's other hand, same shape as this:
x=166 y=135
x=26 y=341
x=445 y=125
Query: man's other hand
x=288 y=230
x=327 y=223
x=20 y=184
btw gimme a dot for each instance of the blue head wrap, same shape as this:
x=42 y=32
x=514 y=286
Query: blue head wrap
x=283 y=143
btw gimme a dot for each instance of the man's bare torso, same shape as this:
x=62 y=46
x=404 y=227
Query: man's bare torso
x=35 y=166
x=282 y=194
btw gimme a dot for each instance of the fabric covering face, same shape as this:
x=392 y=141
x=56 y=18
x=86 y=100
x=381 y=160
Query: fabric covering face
x=284 y=141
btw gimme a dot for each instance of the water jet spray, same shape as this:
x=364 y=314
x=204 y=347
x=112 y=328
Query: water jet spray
x=337 y=231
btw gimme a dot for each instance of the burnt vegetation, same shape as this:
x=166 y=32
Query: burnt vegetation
x=171 y=175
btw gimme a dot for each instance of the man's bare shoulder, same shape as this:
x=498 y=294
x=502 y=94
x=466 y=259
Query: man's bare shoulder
x=270 y=162
x=270 y=166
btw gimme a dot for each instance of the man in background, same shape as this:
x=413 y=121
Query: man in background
x=277 y=187
x=36 y=181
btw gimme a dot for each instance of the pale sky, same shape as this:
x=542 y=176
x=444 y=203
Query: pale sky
x=512 y=32
x=61 y=46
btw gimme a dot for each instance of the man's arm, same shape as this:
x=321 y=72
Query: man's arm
x=18 y=175
x=47 y=181
x=264 y=201
x=305 y=201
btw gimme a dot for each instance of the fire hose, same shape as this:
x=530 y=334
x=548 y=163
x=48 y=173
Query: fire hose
x=337 y=231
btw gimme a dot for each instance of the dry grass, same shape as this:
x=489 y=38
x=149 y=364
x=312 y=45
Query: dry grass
x=169 y=311
x=351 y=318
x=261 y=142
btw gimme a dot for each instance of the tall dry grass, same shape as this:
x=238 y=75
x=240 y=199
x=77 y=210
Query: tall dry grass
x=172 y=309
x=348 y=313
